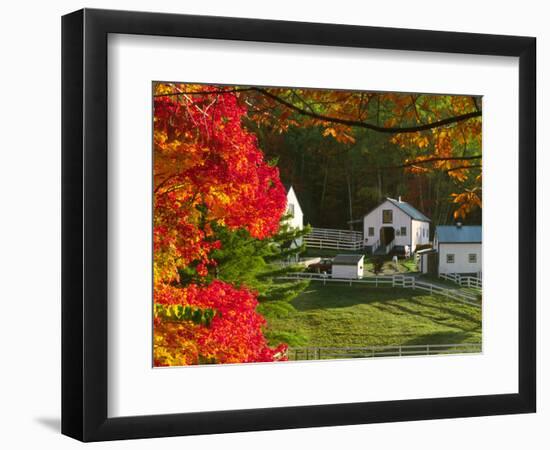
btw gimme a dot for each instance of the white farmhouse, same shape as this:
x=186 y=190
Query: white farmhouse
x=458 y=248
x=395 y=223
x=348 y=266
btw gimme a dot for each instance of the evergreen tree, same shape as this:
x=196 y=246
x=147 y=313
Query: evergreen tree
x=256 y=264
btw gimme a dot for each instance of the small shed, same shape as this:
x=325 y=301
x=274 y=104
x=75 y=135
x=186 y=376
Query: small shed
x=427 y=260
x=348 y=266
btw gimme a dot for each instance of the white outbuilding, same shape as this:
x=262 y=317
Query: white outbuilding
x=458 y=248
x=427 y=260
x=395 y=224
x=348 y=266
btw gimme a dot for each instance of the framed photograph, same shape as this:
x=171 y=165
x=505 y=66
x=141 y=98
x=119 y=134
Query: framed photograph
x=273 y=225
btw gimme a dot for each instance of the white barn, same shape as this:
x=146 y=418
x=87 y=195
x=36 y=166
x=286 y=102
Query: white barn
x=348 y=266
x=296 y=216
x=458 y=248
x=395 y=223
x=293 y=209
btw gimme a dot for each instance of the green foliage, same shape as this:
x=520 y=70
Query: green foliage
x=199 y=316
x=245 y=261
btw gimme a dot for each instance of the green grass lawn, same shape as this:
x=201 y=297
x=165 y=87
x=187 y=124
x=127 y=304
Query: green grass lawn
x=404 y=266
x=338 y=315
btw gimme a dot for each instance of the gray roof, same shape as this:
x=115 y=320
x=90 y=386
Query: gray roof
x=347 y=260
x=409 y=210
x=456 y=234
x=426 y=250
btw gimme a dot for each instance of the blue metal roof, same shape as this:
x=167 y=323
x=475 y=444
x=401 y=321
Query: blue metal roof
x=453 y=233
x=409 y=210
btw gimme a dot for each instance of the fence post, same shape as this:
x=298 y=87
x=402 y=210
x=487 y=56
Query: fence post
x=427 y=349
x=414 y=283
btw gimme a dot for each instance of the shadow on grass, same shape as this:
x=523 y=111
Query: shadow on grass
x=445 y=337
x=453 y=312
x=318 y=296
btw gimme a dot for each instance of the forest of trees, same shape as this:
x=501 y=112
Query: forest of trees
x=340 y=178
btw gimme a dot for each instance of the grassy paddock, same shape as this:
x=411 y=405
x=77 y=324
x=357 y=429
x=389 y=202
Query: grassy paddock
x=340 y=316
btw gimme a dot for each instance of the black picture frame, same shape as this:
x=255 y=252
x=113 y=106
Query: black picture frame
x=84 y=224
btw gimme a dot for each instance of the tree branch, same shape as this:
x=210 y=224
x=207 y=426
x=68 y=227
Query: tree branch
x=434 y=159
x=352 y=123
x=217 y=91
x=356 y=123
x=471 y=166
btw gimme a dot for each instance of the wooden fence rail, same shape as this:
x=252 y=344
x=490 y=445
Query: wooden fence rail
x=334 y=239
x=393 y=280
x=316 y=353
x=463 y=280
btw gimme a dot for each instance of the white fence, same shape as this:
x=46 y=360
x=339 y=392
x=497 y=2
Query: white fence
x=389 y=247
x=316 y=353
x=333 y=239
x=375 y=245
x=462 y=280
x=393 y=281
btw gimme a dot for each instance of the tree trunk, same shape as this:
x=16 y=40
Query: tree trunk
x=324 y=190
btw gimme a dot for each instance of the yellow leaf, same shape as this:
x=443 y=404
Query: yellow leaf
x=329 y=131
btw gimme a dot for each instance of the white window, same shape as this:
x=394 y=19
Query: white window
x=291 y=209
x=403 y=231
x=472 y=258
x=371 y=231
x=387 y=216
x=450 y=258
